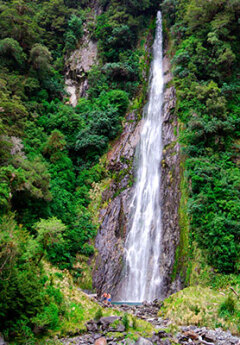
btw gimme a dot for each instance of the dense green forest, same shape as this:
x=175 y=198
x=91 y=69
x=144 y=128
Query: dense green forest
x=50 y=151
x=206 y=62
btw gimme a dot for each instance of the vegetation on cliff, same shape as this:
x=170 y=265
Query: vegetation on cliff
x=205 y=50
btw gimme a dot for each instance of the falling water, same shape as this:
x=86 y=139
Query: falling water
x=143 y=244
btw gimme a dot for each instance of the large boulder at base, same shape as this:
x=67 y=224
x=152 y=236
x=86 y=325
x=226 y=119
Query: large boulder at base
x=106 y=321
x=117 y=328
x=143 y=341
x=92 y=326
x=101 y=341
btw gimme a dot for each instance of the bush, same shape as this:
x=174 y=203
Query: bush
x=125 y=321
x=98 y=314
x=228 y=307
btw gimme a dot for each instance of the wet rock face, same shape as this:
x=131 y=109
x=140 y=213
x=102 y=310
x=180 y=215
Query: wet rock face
x=112 y=232
x=170 y=192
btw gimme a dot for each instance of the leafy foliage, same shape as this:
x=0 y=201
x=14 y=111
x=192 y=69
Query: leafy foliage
x=206 y=63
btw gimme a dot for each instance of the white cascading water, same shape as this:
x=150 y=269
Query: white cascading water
x=143 y=243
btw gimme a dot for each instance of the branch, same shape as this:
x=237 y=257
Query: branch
x=231 y=288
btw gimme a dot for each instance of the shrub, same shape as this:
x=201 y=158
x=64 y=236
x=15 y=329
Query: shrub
x=98 y=314
x=228 y=307
x=134 y=322
x=125 y=321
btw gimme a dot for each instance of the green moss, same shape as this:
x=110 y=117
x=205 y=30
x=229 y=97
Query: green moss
x=115 y=324
x=171 y=145
x=181 y=265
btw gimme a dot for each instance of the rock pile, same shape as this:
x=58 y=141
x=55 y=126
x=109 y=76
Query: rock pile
x=194 y=335
x=106 y=324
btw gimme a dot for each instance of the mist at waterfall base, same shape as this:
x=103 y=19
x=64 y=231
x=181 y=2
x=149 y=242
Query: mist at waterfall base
x=143 y=243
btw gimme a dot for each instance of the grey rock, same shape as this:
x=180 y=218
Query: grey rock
x=92 y=326
x=210 y=336
x=108 y=320
x=119 y=328
x=101 y=341
x=143 y=341
x=107 y=324
x=78 y=65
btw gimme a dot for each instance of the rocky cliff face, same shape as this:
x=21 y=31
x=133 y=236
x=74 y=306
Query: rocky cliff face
x=79 y=63
x=112 y=233
x=78 y=66
x=170 y=188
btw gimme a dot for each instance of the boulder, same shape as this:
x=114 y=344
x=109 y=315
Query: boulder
x=143 y=341
x=210 y=337
x=118 y=328
x=192 y=335
x=106 y=321
x=101 y=341
x=162 y=334
x=92 y=326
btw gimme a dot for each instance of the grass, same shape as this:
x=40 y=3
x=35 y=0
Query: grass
x=82 y=272
x=203 y=306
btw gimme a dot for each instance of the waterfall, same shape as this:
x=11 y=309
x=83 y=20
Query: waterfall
x=143 y=243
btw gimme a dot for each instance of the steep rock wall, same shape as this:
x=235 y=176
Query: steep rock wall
x=109 y=270
x=80 y=61
x=78 y=66
x=112 y=232
x=170 y=186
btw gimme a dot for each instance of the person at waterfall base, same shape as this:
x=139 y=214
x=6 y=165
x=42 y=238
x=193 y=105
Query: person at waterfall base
x=108 y=299
x=104 y=297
